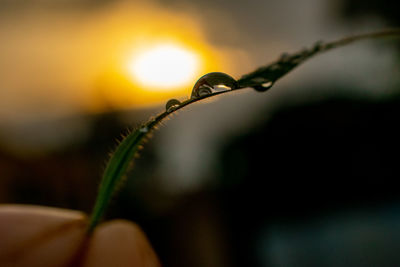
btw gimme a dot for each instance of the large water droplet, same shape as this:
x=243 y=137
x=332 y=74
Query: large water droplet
x=172 y=104
x=264 y=86
x=213 y=82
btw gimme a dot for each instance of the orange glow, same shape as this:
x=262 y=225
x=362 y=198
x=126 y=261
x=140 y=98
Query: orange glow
x=164 y=66
x=128 y=80
x=91 y=57
x=158 y=67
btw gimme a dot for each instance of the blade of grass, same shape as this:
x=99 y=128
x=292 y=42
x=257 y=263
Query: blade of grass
x=120 y=160
x=277 y=69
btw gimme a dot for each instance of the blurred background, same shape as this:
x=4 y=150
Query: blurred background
x=302 y=175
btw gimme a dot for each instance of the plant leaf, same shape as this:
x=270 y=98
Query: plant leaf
x=122 y=157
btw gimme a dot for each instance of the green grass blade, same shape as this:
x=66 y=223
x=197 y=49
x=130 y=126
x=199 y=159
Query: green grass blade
x=122 y=157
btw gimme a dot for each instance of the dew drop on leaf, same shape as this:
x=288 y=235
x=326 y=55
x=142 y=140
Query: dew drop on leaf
x=213 y=82
x=172 y=104
x=264 y=86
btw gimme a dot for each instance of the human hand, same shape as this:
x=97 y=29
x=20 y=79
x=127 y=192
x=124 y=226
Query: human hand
x=46 y=237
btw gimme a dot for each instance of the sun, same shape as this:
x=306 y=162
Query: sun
x=164 y=66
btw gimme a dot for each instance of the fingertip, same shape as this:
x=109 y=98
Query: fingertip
x=119 y=243
x=39 y=236
x=14 y=214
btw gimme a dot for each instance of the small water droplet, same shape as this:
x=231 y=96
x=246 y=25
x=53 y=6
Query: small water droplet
x=267 y=84
x=172 y=104
x=144 y=129
x=264 y=86
x=213 y=82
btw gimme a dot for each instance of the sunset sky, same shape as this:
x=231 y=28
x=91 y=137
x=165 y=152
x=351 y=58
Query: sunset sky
x=67 y=58
x=74 y=57
x=79 y=56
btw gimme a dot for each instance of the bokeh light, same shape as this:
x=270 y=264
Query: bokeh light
x=164 y=66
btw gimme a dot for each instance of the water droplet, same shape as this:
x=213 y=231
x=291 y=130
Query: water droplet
x=213 y=82
x=264 y=86
x=267 y=84
x=172 y=104
x=144 y=129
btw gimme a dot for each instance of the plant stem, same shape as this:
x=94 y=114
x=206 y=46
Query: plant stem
x=120 y=160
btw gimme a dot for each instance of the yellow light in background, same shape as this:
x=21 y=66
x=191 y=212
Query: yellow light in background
x=106 y=76
x=152 y=69
x=164 y=66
